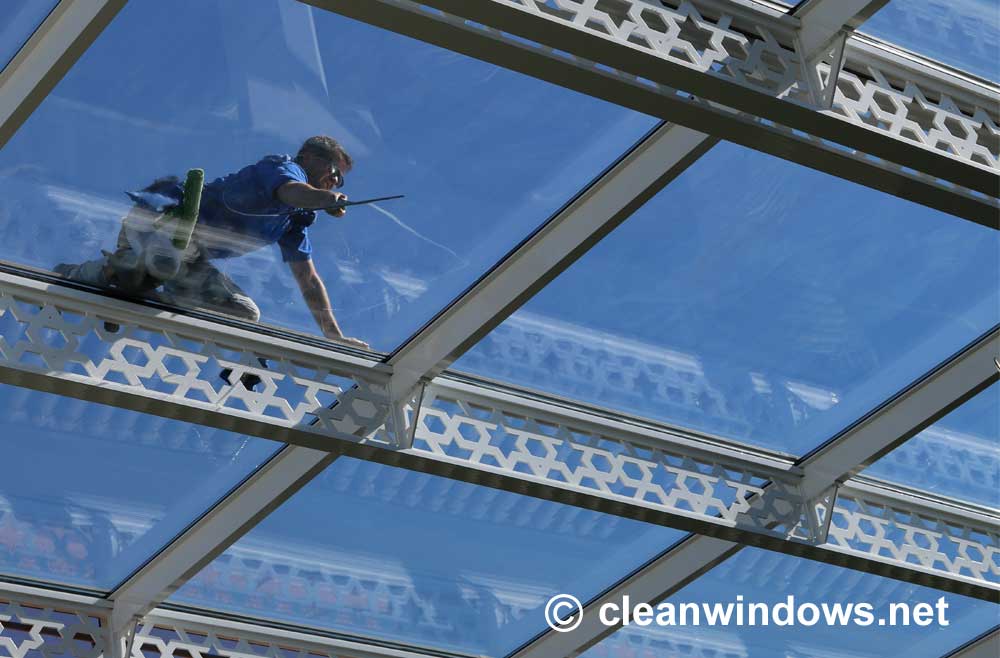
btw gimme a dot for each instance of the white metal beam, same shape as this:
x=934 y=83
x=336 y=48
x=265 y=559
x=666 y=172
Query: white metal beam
x=284 y=474
x=44 y=59
x=822 y=20
x=601 y=207
x=821 y=41
x=898 y=419
x=742 y=82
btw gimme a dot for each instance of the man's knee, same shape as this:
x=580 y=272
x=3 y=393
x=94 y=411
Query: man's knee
x=243 y=307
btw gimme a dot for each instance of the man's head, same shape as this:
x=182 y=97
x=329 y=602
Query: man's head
x=325 y=161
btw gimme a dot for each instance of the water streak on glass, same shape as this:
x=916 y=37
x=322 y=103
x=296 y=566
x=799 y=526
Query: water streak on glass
x=88 y=493
x=962 y=33
x=18 y=21
x=385 y=553
x=959 y=456
x=482 y=155
x=756 y=300
x=760 y=576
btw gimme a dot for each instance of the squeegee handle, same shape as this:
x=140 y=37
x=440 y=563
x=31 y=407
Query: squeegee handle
x=345 y=204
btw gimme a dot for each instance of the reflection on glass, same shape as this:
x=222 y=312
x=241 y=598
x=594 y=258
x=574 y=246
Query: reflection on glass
x=88 y=492
x=763 y=577
x=962 y=33
x=18 y=20
x=376 y=551
x=959 y=456
x=482 y=155
x=756 y=300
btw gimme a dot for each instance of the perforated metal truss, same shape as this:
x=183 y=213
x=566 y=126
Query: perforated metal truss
x=30 y=629
x=547 y=444
x=728 y=68
x=650 y=469
x=39 y=623
x=739 y=44
x=101 y=348
x=636 y=376
x=55 y=338
x=870 y=521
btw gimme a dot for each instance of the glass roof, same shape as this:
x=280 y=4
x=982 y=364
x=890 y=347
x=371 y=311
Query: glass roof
x=962 y=33
x=168 y=87
x=778 y=319
x=959 y=456
x=18 y=21
x=752 y=299
x=73 y=525
x=761 y=576
x=377 y=551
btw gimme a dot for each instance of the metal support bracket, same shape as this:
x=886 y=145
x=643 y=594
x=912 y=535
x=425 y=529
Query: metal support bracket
x=821 y=71
x=121 y=631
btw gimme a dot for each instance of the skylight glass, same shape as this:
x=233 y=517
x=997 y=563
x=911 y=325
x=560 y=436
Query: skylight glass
x=483 y=155
x=91 y=492
x=18 y=21
x=962 y=33
x=756 y=300
x=400 y=556
x=959 y=456
x=760 y=576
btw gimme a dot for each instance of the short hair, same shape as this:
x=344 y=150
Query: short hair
x=327 y=148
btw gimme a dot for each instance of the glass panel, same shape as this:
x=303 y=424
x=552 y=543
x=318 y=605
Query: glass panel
x=959 y=456
x=18 y=21
x=377 y=551
x=89 y=492
x=756 y=300
x=482 y=154
x=962 y=33
x=763 y=577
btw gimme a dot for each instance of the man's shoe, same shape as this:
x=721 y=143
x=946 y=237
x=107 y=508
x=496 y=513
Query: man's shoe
x=249 y=380
x=91 y=272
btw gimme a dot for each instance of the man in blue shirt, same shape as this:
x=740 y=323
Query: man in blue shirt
x=273 y=201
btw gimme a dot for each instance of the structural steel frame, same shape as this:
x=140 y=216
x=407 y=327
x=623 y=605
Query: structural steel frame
x=797 y=86
x=877 y=134
x=46 y=56
x=63 y=624
x=59 y=341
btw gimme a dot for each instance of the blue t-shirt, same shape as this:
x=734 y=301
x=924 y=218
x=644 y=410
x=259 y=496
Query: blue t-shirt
x=240 y=212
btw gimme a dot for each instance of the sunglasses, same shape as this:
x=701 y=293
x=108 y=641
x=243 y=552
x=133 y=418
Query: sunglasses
x=337 y=175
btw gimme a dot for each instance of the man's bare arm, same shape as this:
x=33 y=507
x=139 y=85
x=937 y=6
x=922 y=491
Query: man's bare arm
x=304 y=195
x=315 y=296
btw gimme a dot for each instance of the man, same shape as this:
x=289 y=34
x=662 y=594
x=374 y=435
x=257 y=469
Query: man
x=270 y=202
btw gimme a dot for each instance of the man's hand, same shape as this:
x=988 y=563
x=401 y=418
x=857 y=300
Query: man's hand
x=332 y=332
x=337 y=198
x=350 y=342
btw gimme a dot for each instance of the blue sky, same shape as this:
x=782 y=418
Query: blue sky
x=18 y=19
x=962 y=33
x=753 y=298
